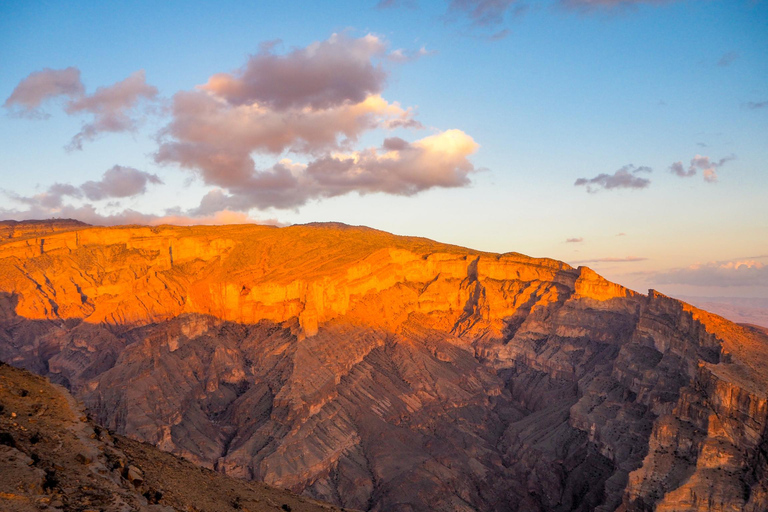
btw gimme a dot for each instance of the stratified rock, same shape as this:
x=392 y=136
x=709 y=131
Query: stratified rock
x=391 y=373
x=51 y=458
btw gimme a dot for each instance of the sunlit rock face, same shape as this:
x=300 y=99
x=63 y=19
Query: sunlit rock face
x=394 y=374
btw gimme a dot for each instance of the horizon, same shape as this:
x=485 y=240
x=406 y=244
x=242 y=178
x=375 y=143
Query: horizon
x=618 y=135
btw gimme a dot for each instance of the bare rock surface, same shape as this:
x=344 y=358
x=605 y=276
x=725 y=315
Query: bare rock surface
x=52 y=457
x=390 y=373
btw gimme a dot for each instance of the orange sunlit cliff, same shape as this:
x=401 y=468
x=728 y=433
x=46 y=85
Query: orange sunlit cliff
x=381 y=372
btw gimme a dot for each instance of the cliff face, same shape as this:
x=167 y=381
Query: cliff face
x=391 y=373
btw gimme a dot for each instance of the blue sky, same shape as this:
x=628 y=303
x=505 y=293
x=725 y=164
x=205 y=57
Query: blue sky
x=465 y=121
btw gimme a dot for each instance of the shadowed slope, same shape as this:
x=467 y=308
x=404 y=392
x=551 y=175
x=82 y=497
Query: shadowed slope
x=393 y=373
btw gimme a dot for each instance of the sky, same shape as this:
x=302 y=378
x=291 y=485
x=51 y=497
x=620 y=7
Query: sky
x=630 y=136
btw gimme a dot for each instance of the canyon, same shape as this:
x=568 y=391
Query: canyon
x=387 y=373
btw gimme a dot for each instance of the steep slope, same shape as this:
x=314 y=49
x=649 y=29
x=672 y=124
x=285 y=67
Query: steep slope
x=52 y=457
x=391 y=373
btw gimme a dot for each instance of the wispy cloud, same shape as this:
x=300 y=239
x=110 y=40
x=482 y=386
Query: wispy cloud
x=591 y=5
x=627 y=259
x=390 y=4
x=626 y=177
x=113 y=108
x=702 y=163
x=727 y=59
x=757 y=104
x=574 y=240
x=485 y=13
x=738 y=272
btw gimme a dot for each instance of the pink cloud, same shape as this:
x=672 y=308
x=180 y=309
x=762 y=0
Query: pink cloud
x=112 y=108
x=627 y=259
x=400 y=168
x=626 y=177
x=323 y=75
x=315 y=101
x=738 y=272
x=40 y=86
x=708 y=167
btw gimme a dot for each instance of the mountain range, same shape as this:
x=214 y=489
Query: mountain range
x=388 y=373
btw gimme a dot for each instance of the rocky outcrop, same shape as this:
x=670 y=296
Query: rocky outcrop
x=54 y=458
x=391 y=373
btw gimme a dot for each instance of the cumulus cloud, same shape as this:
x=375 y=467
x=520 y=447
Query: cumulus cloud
x=112 y=108
x=39 y=86
x=626 y=177
x=574 y=240
x=117 y=182
x=323 y=75
x=315 y=101
x=398 y=167
x=740 y=272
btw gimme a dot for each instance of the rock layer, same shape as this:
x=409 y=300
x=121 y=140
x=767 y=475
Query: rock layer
x=391 y=373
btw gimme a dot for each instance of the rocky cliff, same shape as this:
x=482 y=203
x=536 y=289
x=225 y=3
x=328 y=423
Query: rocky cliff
x=54 y=458
x=391 y=373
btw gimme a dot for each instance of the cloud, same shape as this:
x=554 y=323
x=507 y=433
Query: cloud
x=628 y=259
x=403 y=55
x=757 y=104
x=727 y=59
x=590 y=5
x=39 y=86
x=323 y=99
x=117 y=182
x=399 y=168
x=323 y=75
x=390 y=4
x=574 y=240
x=90 y=215
x=708 y=167
x=483 y=12
x=112 y=108
x=740 y=272
x=678 y=169
x=626 y=177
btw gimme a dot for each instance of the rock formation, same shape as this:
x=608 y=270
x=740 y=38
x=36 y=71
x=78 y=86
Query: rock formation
x=53 y=458
x=389 y=373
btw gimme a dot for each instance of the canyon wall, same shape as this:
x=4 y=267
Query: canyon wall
x=380 y=372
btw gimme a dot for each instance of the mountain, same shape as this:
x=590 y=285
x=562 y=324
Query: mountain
x=392 y=373
x=52 y=457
